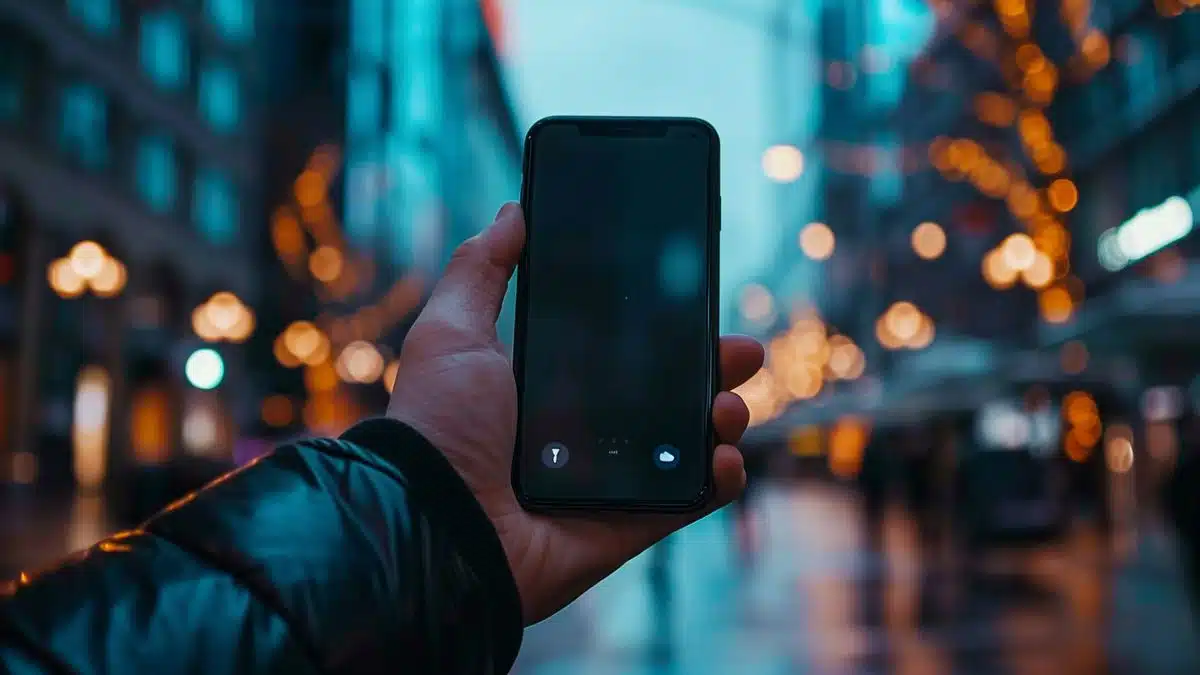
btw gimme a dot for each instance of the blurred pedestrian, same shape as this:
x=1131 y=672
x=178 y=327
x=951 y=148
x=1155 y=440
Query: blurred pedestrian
x=874 y=481
x=398 y=547
x=747 y=523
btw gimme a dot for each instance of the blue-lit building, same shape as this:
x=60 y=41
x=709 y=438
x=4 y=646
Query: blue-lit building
x=854 y=164
x=399 y=113
x=131 y=124
x=432 y=147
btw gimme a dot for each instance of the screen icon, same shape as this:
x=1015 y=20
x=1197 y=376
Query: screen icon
x=555 y=455
x=666 y=457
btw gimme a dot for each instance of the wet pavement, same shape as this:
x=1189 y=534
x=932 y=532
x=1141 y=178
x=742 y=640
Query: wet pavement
x=816 y=599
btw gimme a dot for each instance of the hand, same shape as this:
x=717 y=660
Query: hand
x=456 y=387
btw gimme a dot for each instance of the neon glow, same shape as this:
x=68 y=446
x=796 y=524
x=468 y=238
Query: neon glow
x=1150 y=231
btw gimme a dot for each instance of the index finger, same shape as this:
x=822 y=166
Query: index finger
x=741 y=357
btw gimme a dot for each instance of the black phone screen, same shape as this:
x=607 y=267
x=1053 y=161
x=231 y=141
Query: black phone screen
x=616 y=314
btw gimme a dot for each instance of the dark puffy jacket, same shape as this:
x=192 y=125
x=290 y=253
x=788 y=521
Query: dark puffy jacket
x=366 y=554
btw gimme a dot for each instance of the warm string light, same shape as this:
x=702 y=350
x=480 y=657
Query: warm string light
x=801 y=363
x=1034 y=80
x=328 y=262
x=904 y=326
x=223 y=317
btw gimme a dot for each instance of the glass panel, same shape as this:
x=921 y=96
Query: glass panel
x=13 y=74
x=233 y=19
x=887 y=182
x=99 y=16
x=363 y=102
x=220 y=97
x=156 y=172
x=1194 y=154
x=163 y=49
x=367 y=29
x=1145 y=67
x=214 y=207
x=83 y=133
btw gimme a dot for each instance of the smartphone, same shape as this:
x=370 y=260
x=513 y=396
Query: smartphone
x=615 y=345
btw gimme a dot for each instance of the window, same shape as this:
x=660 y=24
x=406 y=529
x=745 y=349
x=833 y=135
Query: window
x=214 y=206
x=100 y=16
x=367 y=29
x=83 y=133
x=1192 y=112
x=1145 y=68
x=13 y=75
x=887 y=180
x=156 y=173
x=364 y=102
x=233 y=19
x=220 y=99
x=163 y=49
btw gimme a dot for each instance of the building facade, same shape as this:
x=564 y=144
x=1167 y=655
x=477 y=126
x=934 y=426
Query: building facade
x=1134 y=142
x=129 y=125
x=424 y=151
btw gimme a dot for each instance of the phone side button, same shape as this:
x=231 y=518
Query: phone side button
x=720 y=209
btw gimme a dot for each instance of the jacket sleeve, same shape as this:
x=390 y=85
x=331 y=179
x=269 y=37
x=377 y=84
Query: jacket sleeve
x=366 y=554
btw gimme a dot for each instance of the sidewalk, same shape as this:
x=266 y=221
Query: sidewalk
x=36 y=531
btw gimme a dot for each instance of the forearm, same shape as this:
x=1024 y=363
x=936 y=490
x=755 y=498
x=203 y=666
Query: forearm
x=324 y=557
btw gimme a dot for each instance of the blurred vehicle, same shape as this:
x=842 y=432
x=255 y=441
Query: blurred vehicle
x=1011 y=485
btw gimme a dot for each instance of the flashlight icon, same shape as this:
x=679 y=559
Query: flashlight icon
x=555 y=455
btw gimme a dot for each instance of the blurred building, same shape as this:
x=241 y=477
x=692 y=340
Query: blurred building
x=1132 y=136
x=267 y=192
x=130 y=126
x=424 y=150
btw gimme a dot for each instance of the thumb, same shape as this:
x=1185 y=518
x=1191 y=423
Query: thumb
x=472 y=287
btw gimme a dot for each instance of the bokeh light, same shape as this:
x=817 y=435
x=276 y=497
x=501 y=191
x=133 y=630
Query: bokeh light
x=783 y=163
x=817 y=241
x=929 y=241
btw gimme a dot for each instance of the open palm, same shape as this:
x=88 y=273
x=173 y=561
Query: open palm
x=455 y=385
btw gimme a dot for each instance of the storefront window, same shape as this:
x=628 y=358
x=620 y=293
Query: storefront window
x=151 y=425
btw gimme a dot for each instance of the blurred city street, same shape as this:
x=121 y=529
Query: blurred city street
x=817 y=601
x=814 y=598
x=965 y=232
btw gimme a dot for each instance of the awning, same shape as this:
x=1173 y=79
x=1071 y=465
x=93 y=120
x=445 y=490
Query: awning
x=1141 y=313
x=902 y=400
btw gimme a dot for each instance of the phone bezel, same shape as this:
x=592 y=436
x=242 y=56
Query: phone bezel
x=624 y=126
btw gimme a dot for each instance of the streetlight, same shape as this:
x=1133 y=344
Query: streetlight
x=223 y=318
x=88 y=267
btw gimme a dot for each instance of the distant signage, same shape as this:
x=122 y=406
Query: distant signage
x=1150 y=231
